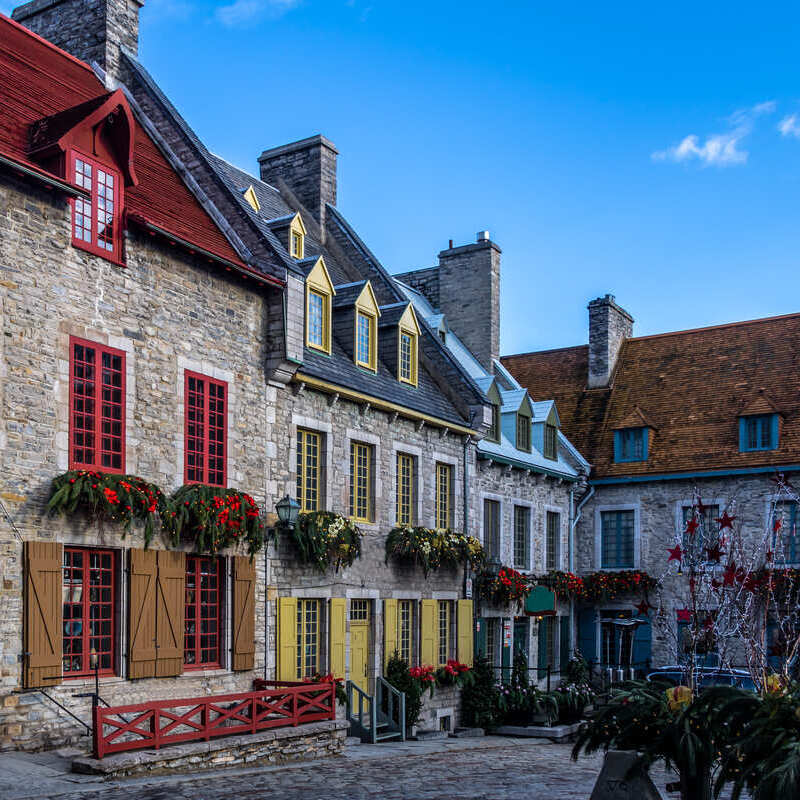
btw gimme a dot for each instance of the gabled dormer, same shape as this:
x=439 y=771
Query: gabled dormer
x=546 y=425
x=399 y=341
x=494 y=398
x=251 y=198
x=759 y=424
x=91 y=146
x=516 y=415
x=291 y=232
x=356 y=310
x=319 y=305
x=632 y=437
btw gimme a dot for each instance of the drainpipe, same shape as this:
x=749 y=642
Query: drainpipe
x=467 y=442
x=575 y=517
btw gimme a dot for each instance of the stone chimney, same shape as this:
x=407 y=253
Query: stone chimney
x=307 y=168
x=91 y=30
x=609 y=326
x=469 y=296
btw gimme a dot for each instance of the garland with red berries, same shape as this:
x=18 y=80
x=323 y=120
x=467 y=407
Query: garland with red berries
x=598 y=587
x=504 y=588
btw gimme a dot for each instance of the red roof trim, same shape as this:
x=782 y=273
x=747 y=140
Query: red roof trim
x=34 y=170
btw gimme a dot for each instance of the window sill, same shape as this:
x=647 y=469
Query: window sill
x=105 y=255
x=209 y=672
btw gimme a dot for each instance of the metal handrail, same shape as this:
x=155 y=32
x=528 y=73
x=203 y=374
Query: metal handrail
x=357 y=699
x=395 y=703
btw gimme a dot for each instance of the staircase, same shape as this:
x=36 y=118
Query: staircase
x=379 y=718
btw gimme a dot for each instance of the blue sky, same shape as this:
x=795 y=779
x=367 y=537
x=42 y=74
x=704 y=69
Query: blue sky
x=651 y=151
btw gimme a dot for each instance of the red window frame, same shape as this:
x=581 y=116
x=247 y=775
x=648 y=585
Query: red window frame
x=203 y=609
x=84 y=604
x=97 y=183
x=205 y=430
x=94 y=442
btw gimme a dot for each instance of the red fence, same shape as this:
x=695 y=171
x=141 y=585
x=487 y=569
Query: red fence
x=164 y=722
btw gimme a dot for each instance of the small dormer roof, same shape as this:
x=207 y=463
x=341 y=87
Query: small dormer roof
x=515 y=401
x=317 y=274
x=636 y=418
x=546 y=411
x=358 y=294
x=251 y=197
x=758 y=403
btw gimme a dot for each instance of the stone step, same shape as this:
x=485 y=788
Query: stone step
x=467 y=733
x=351 y=741
x=424 y=736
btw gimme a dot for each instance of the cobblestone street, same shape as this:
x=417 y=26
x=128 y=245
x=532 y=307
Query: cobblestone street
x=493 y=768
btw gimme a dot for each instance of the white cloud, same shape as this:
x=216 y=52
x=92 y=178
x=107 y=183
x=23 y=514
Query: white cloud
x=790 y=126
x=243 y=11
x=719 y=149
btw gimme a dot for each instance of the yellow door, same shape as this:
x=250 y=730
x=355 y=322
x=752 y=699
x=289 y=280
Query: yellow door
x=359 y=643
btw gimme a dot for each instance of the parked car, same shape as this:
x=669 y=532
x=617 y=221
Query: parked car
x=705 y=676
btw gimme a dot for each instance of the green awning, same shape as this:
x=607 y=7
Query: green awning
x=540 y=601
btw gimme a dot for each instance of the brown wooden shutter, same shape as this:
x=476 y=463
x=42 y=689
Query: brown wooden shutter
x=43 y=613
x=244 y=613
x=170 y=609
x=142 y=615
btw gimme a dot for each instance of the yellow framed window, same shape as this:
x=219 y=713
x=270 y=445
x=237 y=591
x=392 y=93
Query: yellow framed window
x=405 y=628
x=365 y=340
x=408 y=357
x=444 y=632
x=308 y=625
x=405 y=489
x=318 y=320
x=298 y=245
x=523 y=433
x=360 y=481
x=309 y=448
x=444 y=482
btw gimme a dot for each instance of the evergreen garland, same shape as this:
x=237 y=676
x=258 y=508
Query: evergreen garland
x=324 y=538
x=433 y=549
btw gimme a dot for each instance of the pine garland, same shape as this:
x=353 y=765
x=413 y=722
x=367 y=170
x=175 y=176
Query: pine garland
x=433 y=549
x=324 y=538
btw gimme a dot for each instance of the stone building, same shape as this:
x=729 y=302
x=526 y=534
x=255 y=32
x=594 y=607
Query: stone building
x=529 y=476
x=708 y=413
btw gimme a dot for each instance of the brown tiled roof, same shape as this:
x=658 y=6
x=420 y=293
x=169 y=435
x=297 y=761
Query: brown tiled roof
x=691 y=386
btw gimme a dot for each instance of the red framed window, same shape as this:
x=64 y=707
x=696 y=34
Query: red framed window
x=97 y=407
x=96 y=220
x=202 y=618
x=89 y=600
x=206 y=426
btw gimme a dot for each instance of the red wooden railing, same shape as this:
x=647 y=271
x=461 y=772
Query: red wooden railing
x=165 y=722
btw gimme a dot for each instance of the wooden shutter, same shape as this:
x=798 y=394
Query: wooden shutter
x=465 y=632
x=389 y=630
x=287 y=639
x=338 y=623
x=142 y=615
x=429 y=631
x=43 y=613
x=170 y=608
x=244 y=613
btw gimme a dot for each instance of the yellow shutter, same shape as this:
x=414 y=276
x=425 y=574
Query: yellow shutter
x=338 y=611
x=428 y=632
x=43 y=613
x=389 y=630
x=465 y=625
x=287 y=639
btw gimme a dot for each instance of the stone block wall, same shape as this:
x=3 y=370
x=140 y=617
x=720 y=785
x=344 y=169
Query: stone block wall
x=168 y=312
x=609 y=326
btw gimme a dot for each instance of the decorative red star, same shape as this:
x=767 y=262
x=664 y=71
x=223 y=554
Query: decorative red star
x=700 y=507
x=675 y=553
x=770 y=554
x=777 y=524
x=691 y=526
x=684 y=615
x=715 y=553
x=729 y=576
x=643 y=607
x=725 y=521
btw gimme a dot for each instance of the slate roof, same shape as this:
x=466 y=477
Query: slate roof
x=690 y=386
x=40 y=80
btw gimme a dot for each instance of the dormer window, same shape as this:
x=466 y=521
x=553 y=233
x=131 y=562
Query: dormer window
x=319 y=291
x=408 y=357
x=365 y=340
x=366 y=314
x=297 y=238
x=251 y=198
x=630 y=444
x=96 y=219
x=550 y=449
x=758 y=432
x=523 y=433
x=494 y=433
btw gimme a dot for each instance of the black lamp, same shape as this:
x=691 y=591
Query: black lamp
x=287 y=509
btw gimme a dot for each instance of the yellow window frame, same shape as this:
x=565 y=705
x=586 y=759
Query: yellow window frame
x=444 y=620
x=360 y=482
x=309 y=453
x=309 y=623
x=444 y=482
x=372 y=339
x=405 y=489
x=297 y=233
x=405 y=630
x=325 y=335
x=407 y=375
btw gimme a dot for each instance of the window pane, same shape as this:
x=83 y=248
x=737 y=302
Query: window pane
x=308 y=470
x=491 y=528
x=405 y=477
x=363 y=339
x=359 y=480
x=316 y=331
x=521 y=537
x=617 y=540
x=443 y=489
x=552 y=540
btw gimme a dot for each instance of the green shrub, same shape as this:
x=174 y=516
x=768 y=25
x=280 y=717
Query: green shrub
x=480 y=700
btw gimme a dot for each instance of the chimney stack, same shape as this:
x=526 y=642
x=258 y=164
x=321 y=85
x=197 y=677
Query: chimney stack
x=609 y=326
x=308 y=168
x=91 y=30
x=469 y=296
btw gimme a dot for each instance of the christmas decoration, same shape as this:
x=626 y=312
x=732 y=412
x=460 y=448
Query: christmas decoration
x=506 y=588
x=325 y=539
x=433 y=549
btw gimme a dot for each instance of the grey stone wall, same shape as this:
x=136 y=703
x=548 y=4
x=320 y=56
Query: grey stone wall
x=609 y=326
x=469 y=297
x=168 y=312
x=88 y=29
x=657 y=514
x=308 y=168
x=425 y=281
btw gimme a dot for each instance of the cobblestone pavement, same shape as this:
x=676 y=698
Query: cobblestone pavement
x=493 y=768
